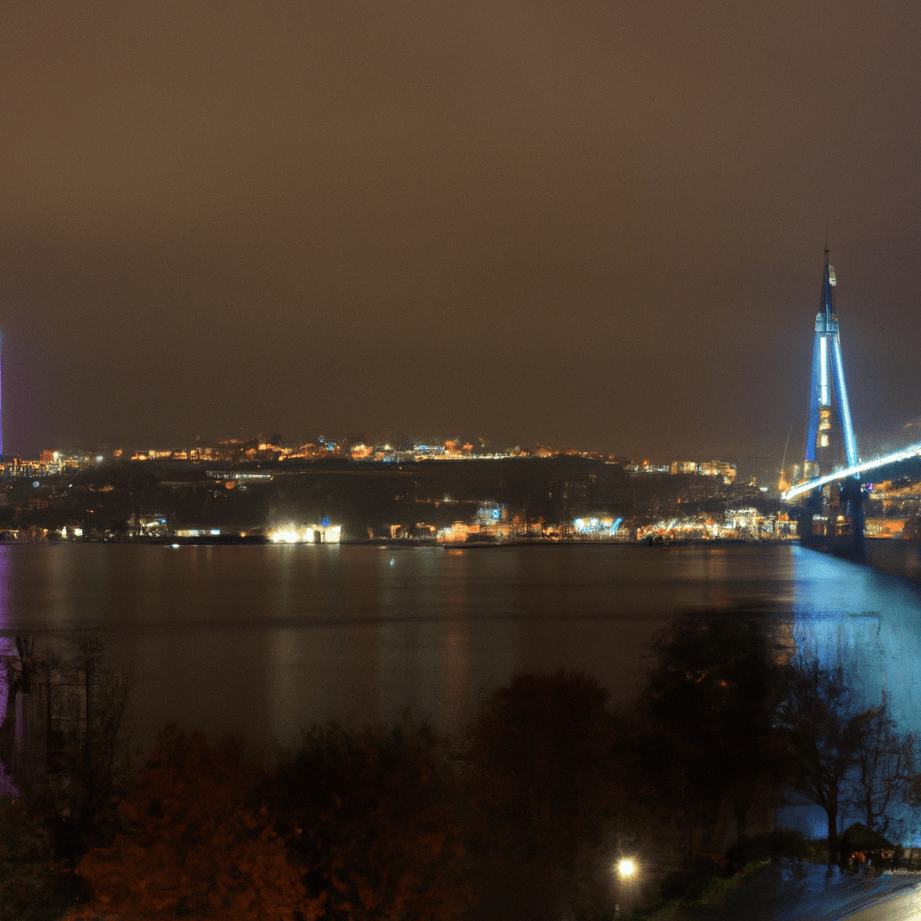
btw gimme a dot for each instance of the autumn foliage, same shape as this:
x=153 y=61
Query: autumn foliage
x=195 y=843
x=352 y=825
x=372 y=816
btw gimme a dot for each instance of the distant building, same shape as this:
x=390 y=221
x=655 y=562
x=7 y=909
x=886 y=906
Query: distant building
x=720 y=469
x=708 y=468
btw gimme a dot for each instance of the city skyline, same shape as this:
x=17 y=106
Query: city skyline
x=589 y=226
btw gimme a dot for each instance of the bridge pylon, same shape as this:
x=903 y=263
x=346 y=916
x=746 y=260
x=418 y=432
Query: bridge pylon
x=833 y=516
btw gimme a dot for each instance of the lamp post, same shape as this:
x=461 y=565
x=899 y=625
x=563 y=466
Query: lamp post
x=626 y=869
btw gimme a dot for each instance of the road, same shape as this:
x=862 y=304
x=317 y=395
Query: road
x=899 y=907
x=787 y=892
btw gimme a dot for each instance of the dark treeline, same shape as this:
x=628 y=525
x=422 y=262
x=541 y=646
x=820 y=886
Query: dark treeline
x=525 y=816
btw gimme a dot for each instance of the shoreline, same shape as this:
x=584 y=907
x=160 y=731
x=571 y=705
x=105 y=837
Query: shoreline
x=401 y=543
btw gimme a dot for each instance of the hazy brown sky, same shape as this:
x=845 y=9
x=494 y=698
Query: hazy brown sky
x=595 y=223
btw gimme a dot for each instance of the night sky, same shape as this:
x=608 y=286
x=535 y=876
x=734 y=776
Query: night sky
x=594 y=224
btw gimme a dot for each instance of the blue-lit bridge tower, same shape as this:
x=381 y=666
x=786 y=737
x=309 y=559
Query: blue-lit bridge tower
x=830 y=442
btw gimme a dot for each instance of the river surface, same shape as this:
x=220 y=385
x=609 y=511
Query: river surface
x=267 y=640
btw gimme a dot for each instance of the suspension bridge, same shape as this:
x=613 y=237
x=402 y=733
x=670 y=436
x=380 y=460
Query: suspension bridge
x=833 y=475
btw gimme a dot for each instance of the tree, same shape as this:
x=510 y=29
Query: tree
x=72 y=758
x=97 y=767
x=32 y=887
x=705 y=745
x=547 y=795
x=371 y=818
x=195 y=843
x=885 y=763
x=838 y=751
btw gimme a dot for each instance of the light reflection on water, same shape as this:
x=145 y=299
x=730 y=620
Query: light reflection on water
x=269 y=640
x=868 y=621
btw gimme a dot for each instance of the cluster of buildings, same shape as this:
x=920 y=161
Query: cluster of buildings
x=712 y=506
x=402 y=452
x=725 y=471
x=258 y=449
x=492 y=524
x=254 y=450
x=233 y=491
x=745 y=524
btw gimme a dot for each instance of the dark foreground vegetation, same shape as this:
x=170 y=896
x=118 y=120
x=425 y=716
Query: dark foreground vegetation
x=525 y=817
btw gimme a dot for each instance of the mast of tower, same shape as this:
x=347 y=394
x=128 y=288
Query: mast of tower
x=829 y=409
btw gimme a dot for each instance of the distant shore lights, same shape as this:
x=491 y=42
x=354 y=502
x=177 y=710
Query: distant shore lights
x=323 y=533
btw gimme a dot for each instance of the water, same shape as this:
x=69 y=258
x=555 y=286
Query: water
x=269 y=640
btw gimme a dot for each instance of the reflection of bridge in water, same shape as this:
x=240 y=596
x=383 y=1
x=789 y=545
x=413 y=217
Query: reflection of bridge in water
x=833 y=476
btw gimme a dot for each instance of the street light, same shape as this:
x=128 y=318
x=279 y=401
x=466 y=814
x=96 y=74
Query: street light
x=626 y=871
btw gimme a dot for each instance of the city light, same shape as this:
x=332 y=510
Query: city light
x=320 y=534
x=853 y=471
x=287 y=536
